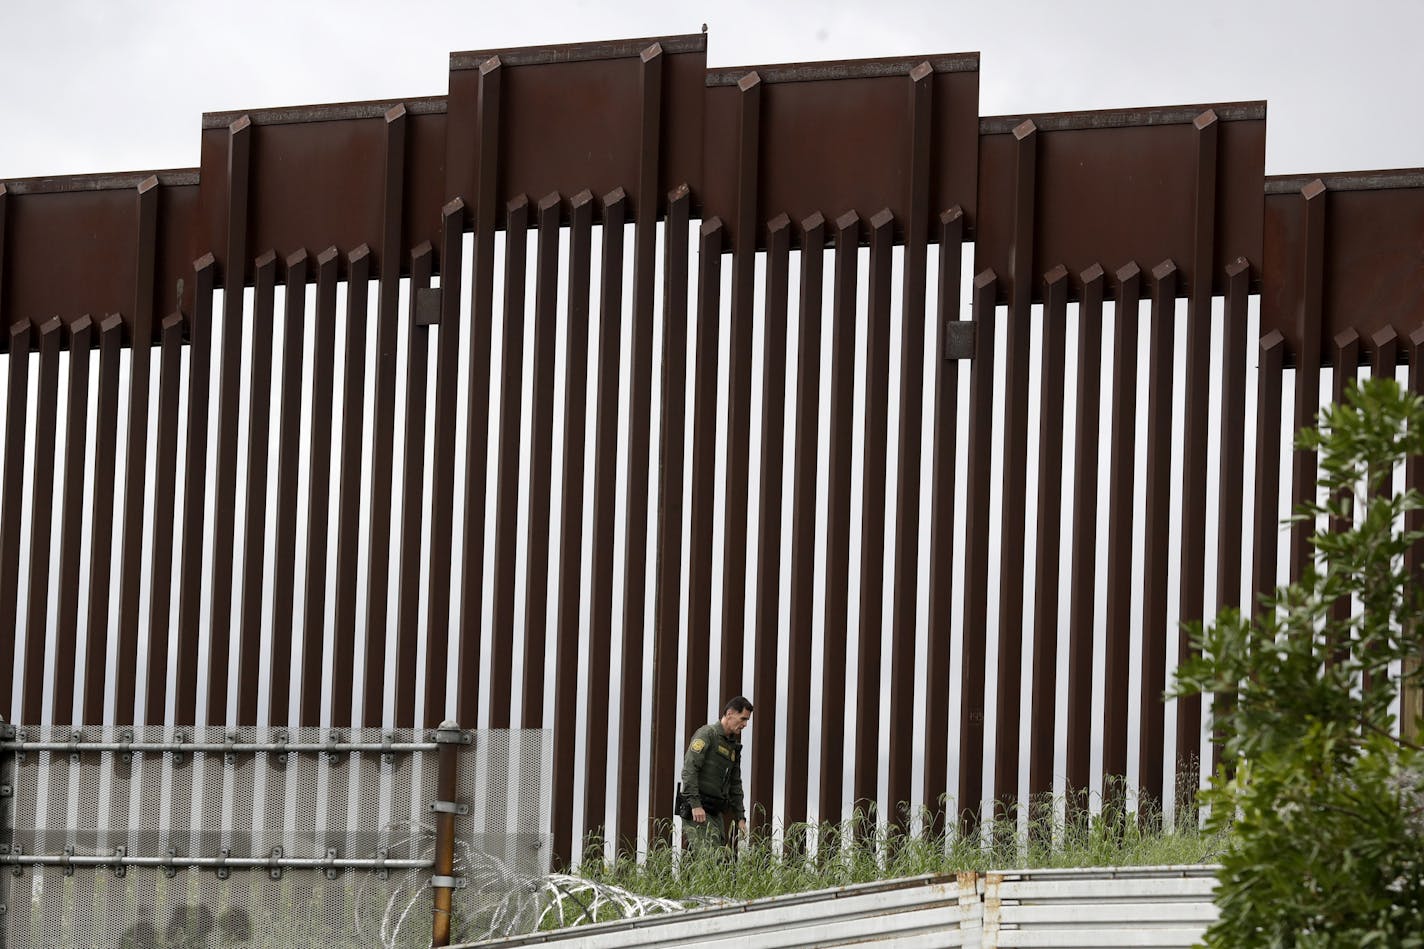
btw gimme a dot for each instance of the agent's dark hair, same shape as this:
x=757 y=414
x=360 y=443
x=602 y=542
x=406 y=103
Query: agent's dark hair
x=739 y=704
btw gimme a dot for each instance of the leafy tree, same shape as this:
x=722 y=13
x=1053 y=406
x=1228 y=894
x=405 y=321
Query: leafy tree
x=1326 y=805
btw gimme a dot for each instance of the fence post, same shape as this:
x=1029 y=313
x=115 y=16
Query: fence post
x=8 y=777
x=443 y=882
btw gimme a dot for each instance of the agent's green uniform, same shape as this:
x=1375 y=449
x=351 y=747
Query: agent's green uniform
x=712 y=780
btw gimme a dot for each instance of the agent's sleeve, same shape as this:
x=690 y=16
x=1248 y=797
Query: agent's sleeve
x=692 y=769
x=738 y=810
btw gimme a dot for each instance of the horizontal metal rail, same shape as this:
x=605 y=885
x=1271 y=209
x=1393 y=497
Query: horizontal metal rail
x=218 y=747
x=217 y=863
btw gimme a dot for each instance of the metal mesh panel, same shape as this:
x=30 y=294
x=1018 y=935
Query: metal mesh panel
x=261 y=805
x=503 y=848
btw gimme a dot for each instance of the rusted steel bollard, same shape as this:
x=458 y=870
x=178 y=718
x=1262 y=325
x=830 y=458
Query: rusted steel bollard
x=443 y=882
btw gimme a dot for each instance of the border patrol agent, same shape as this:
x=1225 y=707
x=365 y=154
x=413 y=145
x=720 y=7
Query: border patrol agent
x=712 y=777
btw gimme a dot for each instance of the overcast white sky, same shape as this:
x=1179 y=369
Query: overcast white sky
x=111 y=85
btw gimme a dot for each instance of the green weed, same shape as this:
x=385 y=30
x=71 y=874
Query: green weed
x=818 y=856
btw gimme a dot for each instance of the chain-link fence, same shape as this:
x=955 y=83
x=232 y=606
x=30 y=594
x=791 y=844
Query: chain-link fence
x=263 y=837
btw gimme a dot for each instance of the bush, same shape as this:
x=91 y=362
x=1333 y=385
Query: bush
x=1325 y=804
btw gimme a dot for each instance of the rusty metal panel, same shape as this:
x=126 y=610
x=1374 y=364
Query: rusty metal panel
x=1120 y=187
x=864 y=113
x=574 y=117
x=1373 y=271
x=64 y=237
x=61 y=263
x=1341 y=252
x=318 y=176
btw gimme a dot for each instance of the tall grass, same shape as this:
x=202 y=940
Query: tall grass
x=865 y=850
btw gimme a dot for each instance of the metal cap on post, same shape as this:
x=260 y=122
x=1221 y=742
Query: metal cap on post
x=442 y=879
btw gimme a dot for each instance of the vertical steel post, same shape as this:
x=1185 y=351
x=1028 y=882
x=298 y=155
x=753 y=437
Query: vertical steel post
x=101 y=500
x=1309 y=320
x=668 y=548
x=1051 y=489
x=746 y=227
x=604 y=502
x=12 y=488
x=904 y=593
x=1013 y=446
x=802 y=583
x=413 y=480
x=640 y=386
x=941 y=514
x=442 y=880
x=42 y=484
x=289 y=430
x=76 y=435
x=1088 y=434
x=136 y=450
x=983 y=310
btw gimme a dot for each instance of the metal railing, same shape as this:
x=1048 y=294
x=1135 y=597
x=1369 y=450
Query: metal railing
x=1121 y=906
x=362 y=839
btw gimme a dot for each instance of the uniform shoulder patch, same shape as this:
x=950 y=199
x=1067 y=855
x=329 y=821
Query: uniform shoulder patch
x=698 y=744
